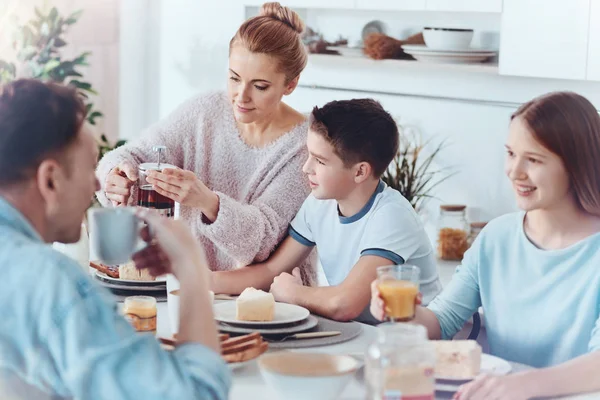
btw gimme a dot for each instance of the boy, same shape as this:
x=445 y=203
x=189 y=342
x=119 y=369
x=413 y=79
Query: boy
x=356 y=222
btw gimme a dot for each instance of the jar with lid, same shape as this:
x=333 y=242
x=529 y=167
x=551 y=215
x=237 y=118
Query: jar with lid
x=147 y=196
x=399 y=364
x=476 y=227
x=453 y=230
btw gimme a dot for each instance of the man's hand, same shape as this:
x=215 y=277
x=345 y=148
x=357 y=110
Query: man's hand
x=285 y=285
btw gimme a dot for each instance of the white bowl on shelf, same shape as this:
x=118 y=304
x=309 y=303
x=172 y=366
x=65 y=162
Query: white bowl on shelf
x=299 y=376
x=447 y=38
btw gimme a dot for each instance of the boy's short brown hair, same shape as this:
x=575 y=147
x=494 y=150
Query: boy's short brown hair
x=359 y=130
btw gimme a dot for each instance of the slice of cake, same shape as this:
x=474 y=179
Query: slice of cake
x=458 y=359
x=130 y=272
x=255 y=305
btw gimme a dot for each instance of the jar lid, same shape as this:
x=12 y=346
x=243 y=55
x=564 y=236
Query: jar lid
x=478 y=225
x=453 y=207
x=152 y=166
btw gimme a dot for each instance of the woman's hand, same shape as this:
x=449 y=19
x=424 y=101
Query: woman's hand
x=171 y=247
x=488 y=387
x=118 y=183
x=377 y=303
x=183 y=187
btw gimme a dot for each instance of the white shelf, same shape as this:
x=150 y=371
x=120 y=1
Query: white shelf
x=362 y=62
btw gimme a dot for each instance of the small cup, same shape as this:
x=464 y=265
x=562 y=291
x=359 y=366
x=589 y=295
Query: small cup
x=173 y=305
x=399 y=287
x=141 y=312
x=114 y=234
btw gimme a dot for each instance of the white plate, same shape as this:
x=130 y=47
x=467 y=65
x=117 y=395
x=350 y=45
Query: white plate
x=238 y=365
x=159 y=280
x=451 y=58
x=284 y=314
x=490 y=364
x=421 y=48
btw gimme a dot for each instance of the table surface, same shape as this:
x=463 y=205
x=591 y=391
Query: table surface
x=249 y=384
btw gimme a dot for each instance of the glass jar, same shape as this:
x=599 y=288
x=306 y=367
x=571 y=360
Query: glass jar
x=399 y=364
x=453 y=230
x=476 y=227
x=147 y=196
x=140 y=311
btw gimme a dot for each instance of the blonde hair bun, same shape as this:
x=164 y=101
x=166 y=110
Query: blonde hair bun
x=284 y=14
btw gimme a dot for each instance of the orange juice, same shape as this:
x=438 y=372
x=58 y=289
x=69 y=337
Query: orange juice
x=399 y=297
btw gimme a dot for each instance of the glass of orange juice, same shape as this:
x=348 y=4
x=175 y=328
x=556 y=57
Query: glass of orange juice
x=399 y=287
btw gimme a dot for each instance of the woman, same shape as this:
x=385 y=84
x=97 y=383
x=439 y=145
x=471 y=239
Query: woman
x=536 y=273
x=240 y=153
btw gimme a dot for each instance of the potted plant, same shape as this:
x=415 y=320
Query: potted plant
x=412 y=171
x=37 y=46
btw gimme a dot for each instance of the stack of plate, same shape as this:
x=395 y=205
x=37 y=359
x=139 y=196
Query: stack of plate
x=464 y=56
x=288 y=319
x=119 y=286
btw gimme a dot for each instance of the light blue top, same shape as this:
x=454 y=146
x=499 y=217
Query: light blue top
x=387 y=226
x=541 y=307
x=61 y=335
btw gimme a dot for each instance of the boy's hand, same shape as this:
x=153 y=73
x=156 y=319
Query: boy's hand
x=284 y=285
x=378 y=304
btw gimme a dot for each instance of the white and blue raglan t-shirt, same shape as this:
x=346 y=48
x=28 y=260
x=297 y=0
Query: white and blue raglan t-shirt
x=387 y=226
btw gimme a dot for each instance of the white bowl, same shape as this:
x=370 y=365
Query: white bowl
x=300 y=376
x=447 y=38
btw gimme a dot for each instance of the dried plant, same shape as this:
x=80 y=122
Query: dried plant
x=411 y=171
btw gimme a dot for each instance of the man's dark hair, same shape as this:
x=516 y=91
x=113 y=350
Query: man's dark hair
x=359 y=130
x=37 y=120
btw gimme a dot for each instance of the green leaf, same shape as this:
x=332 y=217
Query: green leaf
x=53 y=15
x=73 y=17
x=120 y=143
x=38 y=13
x=58 y=42
x=82 y=59
x=50 y=65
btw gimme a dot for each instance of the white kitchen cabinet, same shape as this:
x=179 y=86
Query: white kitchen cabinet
x=546 y=39
x=593 y=66
x=391 y=5
x=494 y=6
x=335 y=4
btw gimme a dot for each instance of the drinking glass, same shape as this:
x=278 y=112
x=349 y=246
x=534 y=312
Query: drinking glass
x=399 y=287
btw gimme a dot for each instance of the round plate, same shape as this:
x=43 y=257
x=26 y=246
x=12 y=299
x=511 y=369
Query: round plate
x=131 y=288
x=160 y=280
x=373 y=27
x=490 y=364
x=305 y=325
x=284 y=314
x=421 y=48
x=238 y=365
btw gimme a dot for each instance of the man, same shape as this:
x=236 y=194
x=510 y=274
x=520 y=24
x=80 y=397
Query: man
x=60 y=334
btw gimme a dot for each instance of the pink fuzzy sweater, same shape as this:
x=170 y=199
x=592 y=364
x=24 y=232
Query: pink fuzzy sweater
x=260 y=189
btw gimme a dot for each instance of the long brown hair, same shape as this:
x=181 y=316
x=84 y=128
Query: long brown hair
x=275 y=32
x=568 y=125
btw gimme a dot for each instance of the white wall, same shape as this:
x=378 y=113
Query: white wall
x=97 y=31
x=470 y=108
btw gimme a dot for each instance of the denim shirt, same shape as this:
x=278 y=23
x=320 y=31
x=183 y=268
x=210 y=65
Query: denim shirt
x=61 y=335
